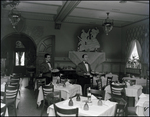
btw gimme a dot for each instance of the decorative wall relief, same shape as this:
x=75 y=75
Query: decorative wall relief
x=88 y=41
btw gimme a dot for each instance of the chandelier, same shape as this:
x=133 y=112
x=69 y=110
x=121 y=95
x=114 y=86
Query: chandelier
x=107 y=24
x=14 y=16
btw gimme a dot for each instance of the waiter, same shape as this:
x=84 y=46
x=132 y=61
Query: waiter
x=46 y=69
x=83 y=69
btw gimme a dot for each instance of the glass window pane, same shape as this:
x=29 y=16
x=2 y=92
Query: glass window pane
x=17 y=59
x=23 y=59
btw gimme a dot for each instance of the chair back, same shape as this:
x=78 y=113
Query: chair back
x=41 y=82
x=146 y=108
x=117 y=91
x=99 y=84
x=109 y=80
x=47 y=89
x=60 y=112
x=54 y=97
x=132 y=82
x=72 y=81
x=98 y=93
x=10 y=92
x=14 y=82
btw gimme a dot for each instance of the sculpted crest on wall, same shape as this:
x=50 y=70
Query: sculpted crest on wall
x=88 y=41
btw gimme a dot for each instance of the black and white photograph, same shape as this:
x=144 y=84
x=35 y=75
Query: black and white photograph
x=74 y=58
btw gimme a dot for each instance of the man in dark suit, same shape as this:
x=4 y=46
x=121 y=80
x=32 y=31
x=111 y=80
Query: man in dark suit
x=46 y=68
x=83 y=69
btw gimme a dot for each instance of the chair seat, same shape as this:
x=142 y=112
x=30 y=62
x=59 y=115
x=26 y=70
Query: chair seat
x=9 y=101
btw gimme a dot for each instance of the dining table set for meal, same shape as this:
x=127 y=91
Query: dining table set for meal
x=86 y=107
x=131 y=91
x=67 y=90
x=142 y=106
x=139 y=81
x=103 y=77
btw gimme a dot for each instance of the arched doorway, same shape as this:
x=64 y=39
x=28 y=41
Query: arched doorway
x=8 y=51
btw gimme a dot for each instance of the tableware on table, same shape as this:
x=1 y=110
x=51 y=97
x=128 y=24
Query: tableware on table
x=70 y=102
x=78 y=97
x=99 y=103
x=86 y=106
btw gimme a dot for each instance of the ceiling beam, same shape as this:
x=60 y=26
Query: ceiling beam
x=65 y=10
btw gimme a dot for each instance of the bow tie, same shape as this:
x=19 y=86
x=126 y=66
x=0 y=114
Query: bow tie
x=86 y=62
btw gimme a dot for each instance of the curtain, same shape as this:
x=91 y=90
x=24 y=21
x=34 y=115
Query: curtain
x=19 y=56
x=130 y=49
x=139 y=49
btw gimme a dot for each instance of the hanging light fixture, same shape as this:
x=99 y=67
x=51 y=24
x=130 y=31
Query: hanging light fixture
x=107 y=24
x=14 y=15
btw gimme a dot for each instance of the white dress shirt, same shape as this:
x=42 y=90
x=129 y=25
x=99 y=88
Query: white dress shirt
x=87 y=67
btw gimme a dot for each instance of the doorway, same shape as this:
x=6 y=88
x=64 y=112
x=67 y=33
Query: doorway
x=11 y=53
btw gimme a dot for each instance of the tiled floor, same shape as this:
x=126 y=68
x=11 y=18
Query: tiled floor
x=27 y=105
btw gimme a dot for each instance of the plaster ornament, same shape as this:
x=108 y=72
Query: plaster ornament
x=88 y=41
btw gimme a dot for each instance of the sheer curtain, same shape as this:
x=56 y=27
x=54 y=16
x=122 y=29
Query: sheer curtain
x=139 y=49
x=131 y=46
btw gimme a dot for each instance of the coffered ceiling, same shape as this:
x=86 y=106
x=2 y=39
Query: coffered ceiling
x=85 y=12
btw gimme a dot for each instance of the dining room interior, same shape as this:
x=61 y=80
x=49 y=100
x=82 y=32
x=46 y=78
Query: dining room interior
x=113 y=35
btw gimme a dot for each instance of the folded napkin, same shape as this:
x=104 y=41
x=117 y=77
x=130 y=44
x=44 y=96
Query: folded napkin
x=142 y=95
x=93 y=97
x=2 y=105
x=67 y=83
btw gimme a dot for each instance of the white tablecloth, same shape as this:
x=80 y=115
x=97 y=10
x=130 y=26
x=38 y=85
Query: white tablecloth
x=107 y=109
x=6 y=112
x=139 y=81
x=66 y=92
x=18 y=95
x=139 y=105
x=131 y=91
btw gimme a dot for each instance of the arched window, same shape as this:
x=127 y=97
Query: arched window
x=134 y=55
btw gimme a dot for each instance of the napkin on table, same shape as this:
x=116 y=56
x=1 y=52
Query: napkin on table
x=142 y=95
x=93 y=97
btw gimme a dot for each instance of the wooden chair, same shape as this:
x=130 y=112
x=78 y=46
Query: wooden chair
x=132 y=82
x=53 y=97
x=117 y=92
x=72 y=81
x=99 y=84
x=15 y=82
x=109 y=80
x=46 y=91
x=98 y=93
x=60 y=112
x=10 y=96
x=120 y=110
x=40 y=82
